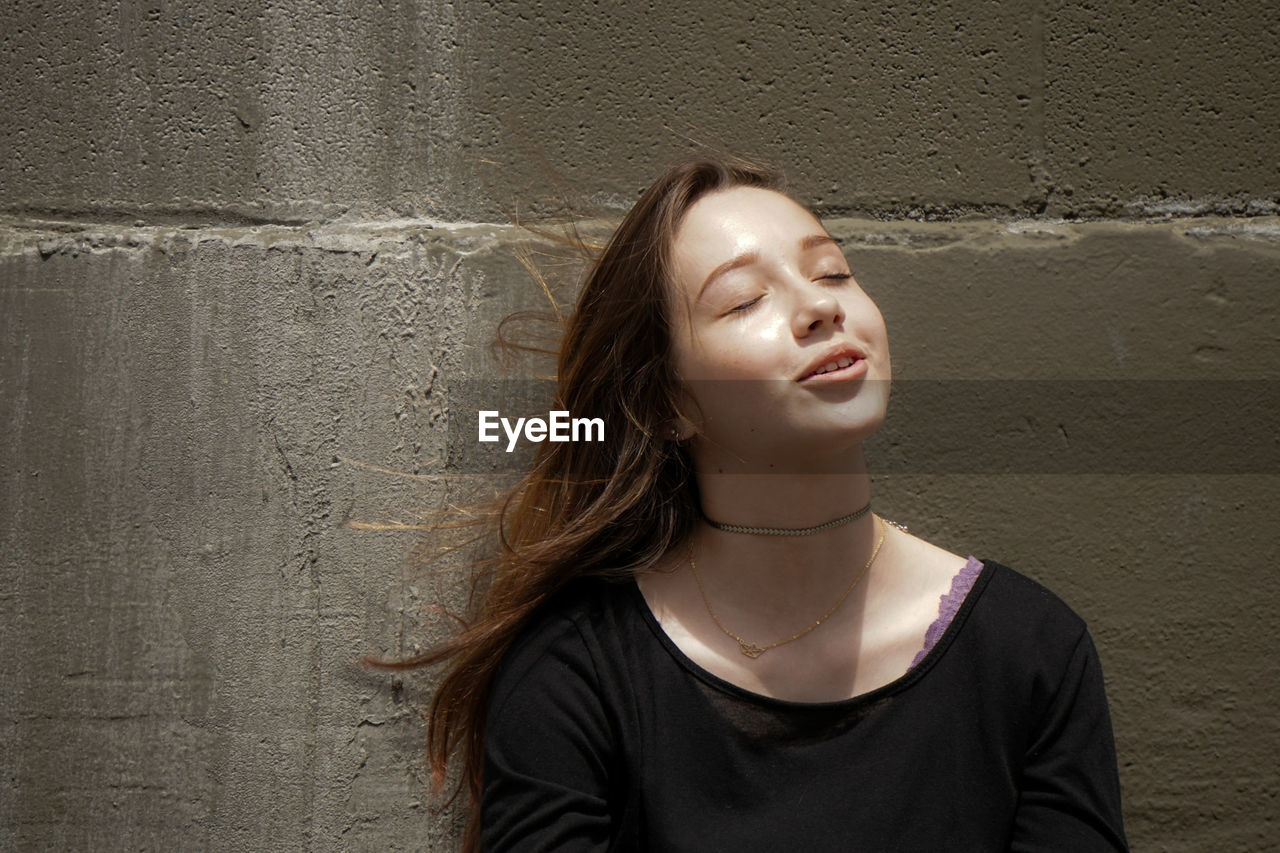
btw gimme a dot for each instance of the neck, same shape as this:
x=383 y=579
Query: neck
x=791 y=573
x=794 y=499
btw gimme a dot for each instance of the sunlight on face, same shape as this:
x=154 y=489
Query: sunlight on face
x=776 y=343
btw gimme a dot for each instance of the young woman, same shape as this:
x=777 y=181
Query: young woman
x=700 y=637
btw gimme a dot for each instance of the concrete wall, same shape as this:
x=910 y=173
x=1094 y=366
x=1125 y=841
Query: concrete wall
x=249 y=252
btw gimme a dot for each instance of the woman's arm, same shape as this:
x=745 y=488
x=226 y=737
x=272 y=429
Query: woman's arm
x=548 y=750
x=1070 y=789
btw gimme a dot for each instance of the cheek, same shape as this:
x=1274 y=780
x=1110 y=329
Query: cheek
x=724 y=354
x=883 y=331
x=874 y=324
x=684 y=354
x=752 y=346
x=881 y=337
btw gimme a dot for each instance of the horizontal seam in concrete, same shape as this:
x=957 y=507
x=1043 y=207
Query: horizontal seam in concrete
x=311 y=212
x=467 y=238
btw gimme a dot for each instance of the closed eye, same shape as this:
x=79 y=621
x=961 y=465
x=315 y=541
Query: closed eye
x=746 y=306
x=836 y=276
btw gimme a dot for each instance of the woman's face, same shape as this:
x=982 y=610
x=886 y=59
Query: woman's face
x=764 y=303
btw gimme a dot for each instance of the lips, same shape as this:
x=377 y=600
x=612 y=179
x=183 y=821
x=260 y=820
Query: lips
x=833 y=362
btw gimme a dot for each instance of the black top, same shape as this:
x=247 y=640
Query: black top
x=603 y=735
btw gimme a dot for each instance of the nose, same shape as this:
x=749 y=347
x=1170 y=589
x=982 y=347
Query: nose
x=815 y=306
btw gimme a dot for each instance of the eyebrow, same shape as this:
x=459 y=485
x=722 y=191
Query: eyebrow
x=748 y=258
x=817 y=240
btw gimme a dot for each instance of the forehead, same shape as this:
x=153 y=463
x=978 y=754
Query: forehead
x=725 y=223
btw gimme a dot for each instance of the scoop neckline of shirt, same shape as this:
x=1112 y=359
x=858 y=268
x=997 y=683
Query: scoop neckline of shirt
x=902 y=682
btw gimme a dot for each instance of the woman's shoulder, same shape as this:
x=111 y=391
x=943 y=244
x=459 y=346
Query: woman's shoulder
x=1014 y=588
x=1005 y=617
x=586 y=605
x=1009 y=595
x=562 y=638
x=1020 y=600
x=1020 y=629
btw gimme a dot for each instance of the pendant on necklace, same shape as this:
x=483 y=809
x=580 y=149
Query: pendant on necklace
x=751 y=650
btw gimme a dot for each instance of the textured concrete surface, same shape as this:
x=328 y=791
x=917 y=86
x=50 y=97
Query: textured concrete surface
x=193 y=414
x=903 y=108
x=188 y=417
x=228 y=110
x=287 y=112
x=248 y=269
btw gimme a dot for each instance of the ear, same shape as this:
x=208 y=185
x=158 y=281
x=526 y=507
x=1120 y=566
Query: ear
x=679 y=429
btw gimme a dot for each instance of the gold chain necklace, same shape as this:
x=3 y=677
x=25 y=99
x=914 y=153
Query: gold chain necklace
x=752 y=650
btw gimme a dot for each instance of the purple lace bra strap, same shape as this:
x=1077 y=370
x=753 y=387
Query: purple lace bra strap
x=949 y=604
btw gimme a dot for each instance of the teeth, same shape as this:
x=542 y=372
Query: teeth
x=843 y=361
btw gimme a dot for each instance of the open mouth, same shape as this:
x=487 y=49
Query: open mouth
x=844 y=365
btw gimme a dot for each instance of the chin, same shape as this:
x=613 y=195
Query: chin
x=847 y=437
x=853 y=422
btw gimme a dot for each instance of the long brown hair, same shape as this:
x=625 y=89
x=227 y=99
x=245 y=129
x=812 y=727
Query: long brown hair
x=586 y=509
